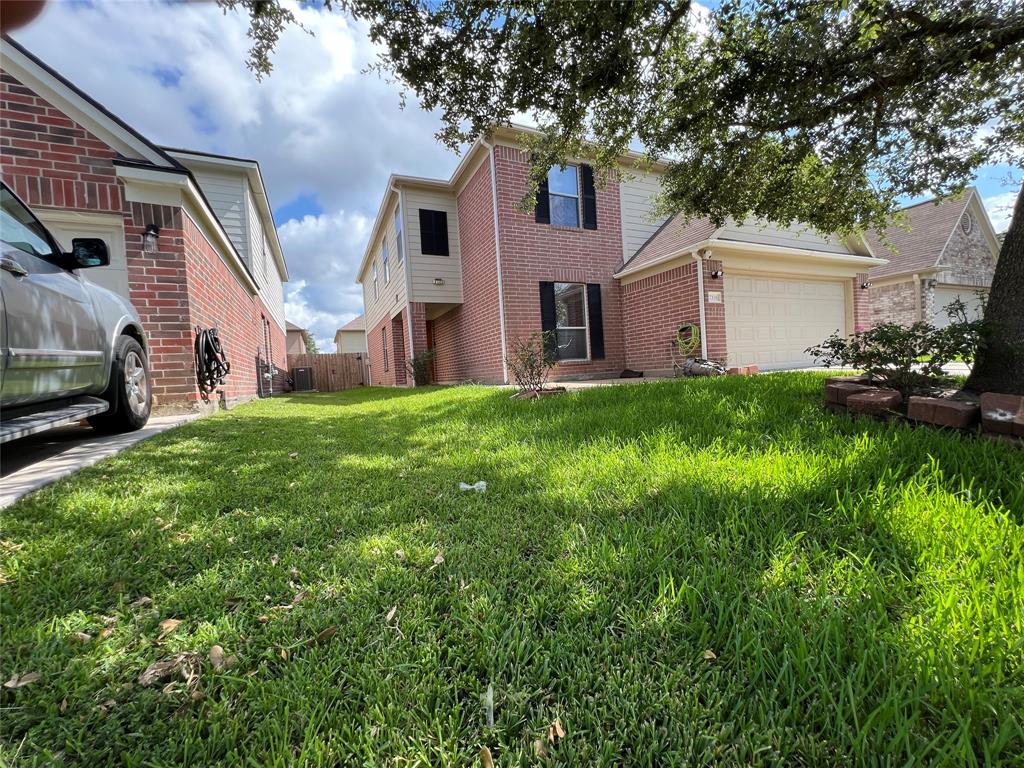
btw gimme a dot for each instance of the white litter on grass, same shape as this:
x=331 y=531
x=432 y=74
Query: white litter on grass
x=489 y=705
x=479 y=486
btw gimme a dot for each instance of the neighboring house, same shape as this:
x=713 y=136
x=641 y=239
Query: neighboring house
x=949 y=251
x=455 y=266
x=296 y=335
x=191 y=235
x=351 y=337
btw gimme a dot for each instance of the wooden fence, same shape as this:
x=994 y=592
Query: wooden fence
x=333 y=372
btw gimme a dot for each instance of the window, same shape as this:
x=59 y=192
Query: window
x=571 y=321
x=384 y=261
x=376 y=290
x=433 y=232
x=399 y=249
x=384 y=345
x=564 y=193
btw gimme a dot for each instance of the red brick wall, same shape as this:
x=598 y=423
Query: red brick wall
x=654 y=307
x=532 y=253
x=52 y=162
x=389 y=331
x=467 y=339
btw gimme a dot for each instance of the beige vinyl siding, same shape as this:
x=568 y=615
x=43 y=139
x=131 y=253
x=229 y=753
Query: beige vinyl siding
x=426 y=267
x=796 y=236
x=227 y=194
x=392 y=294
x=636 y=195
x=351 y=341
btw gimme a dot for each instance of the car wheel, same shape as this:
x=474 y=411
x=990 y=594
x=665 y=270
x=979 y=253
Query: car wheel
x=128 y=392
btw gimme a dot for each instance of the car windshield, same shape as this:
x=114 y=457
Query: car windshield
x=19 y=228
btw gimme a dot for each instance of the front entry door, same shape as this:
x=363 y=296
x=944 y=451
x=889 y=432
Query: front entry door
x=53 y=343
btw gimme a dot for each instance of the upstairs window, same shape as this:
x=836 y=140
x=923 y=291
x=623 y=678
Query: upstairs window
x=399 y=249
x=384 y=261
x=433 y=232
x=567 y=197
x=376 y=289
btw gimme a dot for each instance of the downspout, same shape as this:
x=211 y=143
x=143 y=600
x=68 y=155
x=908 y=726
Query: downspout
x=497 y=255
x=698 y=257
x=407 y=269
x=917 y=298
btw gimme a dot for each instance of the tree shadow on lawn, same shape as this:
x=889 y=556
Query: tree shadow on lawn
x=605 y=557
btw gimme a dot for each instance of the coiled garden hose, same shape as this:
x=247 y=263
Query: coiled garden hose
x=211 y=364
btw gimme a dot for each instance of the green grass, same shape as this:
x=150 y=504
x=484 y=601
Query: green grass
x=860 y=584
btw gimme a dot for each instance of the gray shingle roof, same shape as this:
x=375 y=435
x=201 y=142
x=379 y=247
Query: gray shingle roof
x=355 y=324
x=931 y=224
x=673 y=236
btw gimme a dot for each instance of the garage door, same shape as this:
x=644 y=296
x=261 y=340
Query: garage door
x=945 y=295
x=771 y=321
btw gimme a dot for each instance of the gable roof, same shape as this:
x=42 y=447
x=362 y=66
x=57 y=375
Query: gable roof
x=931 y=225
x=677 y=234
x=290 y=326
x=355 y=324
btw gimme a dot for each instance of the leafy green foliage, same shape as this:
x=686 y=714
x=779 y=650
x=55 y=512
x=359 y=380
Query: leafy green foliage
x=858 y=584
x=907 y=358
x=419 y=367
x=310 y=342
x=531 y=359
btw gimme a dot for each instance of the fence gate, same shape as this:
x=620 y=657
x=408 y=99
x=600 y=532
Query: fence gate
x=332 y=372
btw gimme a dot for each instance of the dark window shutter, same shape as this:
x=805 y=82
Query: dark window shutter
x=542 y=213
x=547 y=316
x=589 y=198
x=433 y=232
x=596 y=321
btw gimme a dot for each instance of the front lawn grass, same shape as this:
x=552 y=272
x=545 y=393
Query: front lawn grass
x=705 y=572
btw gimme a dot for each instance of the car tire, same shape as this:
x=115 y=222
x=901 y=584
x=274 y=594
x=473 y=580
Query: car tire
x=128 y=392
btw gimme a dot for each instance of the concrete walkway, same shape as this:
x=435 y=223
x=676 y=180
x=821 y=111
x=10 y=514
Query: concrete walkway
x=38 y=460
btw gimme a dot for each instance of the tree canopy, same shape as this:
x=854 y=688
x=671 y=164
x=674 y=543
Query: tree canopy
x=827 y=112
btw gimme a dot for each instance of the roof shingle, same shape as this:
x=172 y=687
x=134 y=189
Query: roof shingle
x=931 y=224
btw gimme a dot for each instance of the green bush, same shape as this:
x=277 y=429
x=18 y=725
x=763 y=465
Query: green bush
x=907 y=358
x=531 y=359
x=419 y=367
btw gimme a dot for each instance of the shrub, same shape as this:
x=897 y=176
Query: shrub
x=531 y=359
x=906 y=358
x=419 y=367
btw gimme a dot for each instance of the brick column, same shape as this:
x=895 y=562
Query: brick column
x=861 y=304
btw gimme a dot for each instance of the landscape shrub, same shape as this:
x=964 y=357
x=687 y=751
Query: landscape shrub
x=531 y=359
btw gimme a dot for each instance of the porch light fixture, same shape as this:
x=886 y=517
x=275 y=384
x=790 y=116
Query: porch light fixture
x=717 y=274
x=865 y=285
x=438 y=281
x=149 y=238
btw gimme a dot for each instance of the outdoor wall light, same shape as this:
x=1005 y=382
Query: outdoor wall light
x=438 y=281
x=865 y=285
x=717 y=274
x=149 y=238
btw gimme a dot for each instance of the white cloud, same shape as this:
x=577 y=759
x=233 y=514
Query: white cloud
x=1000 y=209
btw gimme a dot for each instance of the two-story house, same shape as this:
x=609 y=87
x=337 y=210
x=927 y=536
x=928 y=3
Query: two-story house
x=456 y=266
x=191 y=235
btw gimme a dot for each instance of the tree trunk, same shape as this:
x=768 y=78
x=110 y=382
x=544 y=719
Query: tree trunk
x=1000 y=363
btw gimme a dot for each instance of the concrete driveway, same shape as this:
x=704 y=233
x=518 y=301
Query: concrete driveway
x=32 y=462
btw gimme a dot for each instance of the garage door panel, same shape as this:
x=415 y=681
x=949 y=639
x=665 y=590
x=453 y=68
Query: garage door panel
x=771 y=321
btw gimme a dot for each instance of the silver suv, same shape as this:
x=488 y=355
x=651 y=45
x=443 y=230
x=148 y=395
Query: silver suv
x=71 y=350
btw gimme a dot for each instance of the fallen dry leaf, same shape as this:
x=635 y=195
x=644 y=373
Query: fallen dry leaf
x=539 y=749
x=187 y=664
x=283 y=653
x=142 y=602
x=400 y=554
x=438 y=559
x=216 y=657
x=555 y=731
x=82 y=637
x=166 y=627
x=293 y=455
x=263 y=619
x=20 y=681
x=326 y=634
x=709 y=655
x=485 y=758
x=230 y=661
x=299 y=597
x=105 y=633
x=63 y=706
x=391 y=614
x=275 y=559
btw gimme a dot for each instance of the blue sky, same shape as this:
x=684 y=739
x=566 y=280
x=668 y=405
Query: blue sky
x=326 y=136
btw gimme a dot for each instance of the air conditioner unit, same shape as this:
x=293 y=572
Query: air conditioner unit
x=302 y=379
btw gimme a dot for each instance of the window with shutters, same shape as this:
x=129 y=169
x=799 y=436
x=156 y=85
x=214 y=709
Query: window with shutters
x=384 y=261
x=376 y=289
x=564 y=196
x=433 y=232
x=571 y=321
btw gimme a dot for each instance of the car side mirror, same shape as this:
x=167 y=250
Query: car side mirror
x=88 y=252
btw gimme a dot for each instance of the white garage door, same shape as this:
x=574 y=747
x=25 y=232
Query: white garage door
x=770 y=321
x=944 y=296
x=67 y=225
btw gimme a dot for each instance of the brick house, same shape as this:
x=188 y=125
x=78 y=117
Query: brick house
x=941 y=251
x=455 y=266
x=191 y=236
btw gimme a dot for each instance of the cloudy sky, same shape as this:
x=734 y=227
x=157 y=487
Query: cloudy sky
x=326 y=136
